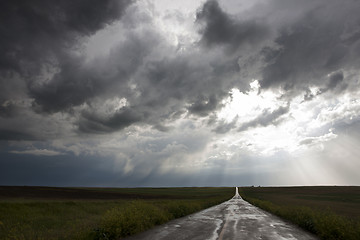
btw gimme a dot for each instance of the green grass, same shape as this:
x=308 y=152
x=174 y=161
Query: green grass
x=139 y=215
x=51 y=220
x=328 y=212
x=38 y=217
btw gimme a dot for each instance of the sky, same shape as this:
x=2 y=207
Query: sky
x=162 y=93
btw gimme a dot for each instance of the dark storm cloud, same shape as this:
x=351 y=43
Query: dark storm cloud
x=204 y=105
x=33 y=30
x=165 y=89
x=220 y=28
x=65 y=75
x=37 y=35
x=91 y=123
x=7 y=109
x=59 y=78
x=335 y=79
x=322 y=40
x=12 y=135
x=165 y=81
x=104 y=76
x=266 y=118
x=335 y=83
x=160 y=82
x=70 y=87
x=197 y=82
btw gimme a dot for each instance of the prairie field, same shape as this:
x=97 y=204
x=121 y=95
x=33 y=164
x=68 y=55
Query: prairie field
x=331 y=212
x=96 y=213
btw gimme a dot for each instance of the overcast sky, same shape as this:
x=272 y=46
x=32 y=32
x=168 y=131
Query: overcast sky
x=179 y=93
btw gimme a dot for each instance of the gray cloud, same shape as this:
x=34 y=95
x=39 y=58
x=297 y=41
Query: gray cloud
x=334 y=79
x=7 y=109
x=156 y=79
x=142 y=109
x=40 y=58
x=203 y=105
x=220 y=28
x=314 y=46
x=42 y=32
x=335 y=83
x=159 y=81
x=91 y=123
x=13 y=135
x=266 y=118
x=77 y=82
x=187 y=79
x=223 y=128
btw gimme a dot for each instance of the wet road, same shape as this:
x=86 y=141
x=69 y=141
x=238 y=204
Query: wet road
x=234 y=219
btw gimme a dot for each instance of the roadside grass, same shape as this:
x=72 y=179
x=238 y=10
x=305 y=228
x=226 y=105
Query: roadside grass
x=44 y=218
x=324 y=211
x=51 y=219
x=139 y=215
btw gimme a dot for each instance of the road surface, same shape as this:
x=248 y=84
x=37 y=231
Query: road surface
x=234 y=219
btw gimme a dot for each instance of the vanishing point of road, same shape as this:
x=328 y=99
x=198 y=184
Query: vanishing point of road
x=233 y=219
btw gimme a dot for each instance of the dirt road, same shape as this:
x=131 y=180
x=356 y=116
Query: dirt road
x=234 y=219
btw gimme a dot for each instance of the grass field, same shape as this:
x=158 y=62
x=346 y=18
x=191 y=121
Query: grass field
x=329 y=212
x=96 y=213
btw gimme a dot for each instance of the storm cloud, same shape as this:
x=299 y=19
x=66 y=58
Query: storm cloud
x=323 y=40
x=139 y=93
x=220 y=28
x=38 y=32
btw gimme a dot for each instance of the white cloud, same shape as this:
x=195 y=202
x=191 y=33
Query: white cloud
x=318 y=140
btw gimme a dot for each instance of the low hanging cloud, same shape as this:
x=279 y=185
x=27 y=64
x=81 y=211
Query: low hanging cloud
x=38 y=152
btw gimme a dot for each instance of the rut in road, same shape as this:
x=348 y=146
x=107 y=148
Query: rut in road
x=233 y=219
